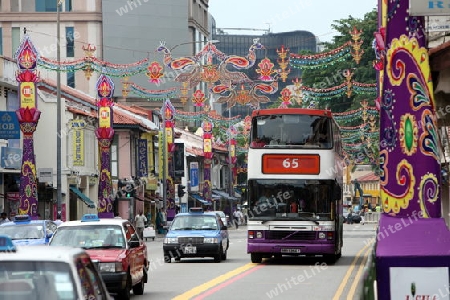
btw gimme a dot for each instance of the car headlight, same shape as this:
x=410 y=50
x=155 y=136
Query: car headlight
x=210 y=241
x=171 y=240
x=110 y=267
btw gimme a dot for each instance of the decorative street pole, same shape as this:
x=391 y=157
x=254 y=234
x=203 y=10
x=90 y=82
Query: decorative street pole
x=105 y=136
x=28 y=115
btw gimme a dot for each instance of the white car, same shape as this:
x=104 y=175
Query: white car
x=41 y=272
x=222 y=216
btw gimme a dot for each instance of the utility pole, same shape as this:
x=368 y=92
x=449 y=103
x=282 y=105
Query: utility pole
x=58 y=110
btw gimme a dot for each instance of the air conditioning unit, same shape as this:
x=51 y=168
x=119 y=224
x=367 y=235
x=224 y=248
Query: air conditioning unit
x=73 y=180
x=84 y=182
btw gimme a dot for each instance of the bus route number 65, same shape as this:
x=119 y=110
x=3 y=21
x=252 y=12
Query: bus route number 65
x=291 y=163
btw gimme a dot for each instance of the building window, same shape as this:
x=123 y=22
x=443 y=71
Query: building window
x=15 y=33
x=68 y=5
x=46 y=5
x=71 y=79
x=70 y=39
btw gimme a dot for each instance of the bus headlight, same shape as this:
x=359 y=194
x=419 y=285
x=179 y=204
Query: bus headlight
x=321 y=235
x=259 y=235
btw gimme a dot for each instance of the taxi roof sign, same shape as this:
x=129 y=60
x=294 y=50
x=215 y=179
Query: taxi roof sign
x=22 y=218
x=6 y=244
x=196 y=210
x=90 y=218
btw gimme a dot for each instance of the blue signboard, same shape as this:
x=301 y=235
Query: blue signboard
x=9 y=125
x=142 y=158
x=194 y=176
x=11 y=158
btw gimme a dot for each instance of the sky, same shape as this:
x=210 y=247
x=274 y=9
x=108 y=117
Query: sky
x=315 y=16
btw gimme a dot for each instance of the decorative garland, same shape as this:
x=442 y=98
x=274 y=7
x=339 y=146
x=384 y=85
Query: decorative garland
x=320 y=60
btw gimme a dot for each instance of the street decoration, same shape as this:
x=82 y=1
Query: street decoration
x=320 y=60
x=407 y=76
x=297 y=93
x=198 y=98
x=154 y=72
x=356 y=44
x=410 y=161
x=28 y=115
x=218 y=78
x=283 y=62
x=324 y=59
x=285 y=97
x=208 y=154
x=265 y=70
x=105 y=136
x=253 y=97
x=358 y=141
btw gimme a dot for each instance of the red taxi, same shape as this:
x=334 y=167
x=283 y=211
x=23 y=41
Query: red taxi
x=115 y=248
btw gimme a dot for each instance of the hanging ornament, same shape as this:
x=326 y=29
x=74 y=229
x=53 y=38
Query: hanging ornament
x=198 y=98
x=356 y=44
x=125 y=86
x=285 y=97
x=154 y=72
x=348 y=74
x=283 y=62
x=265 y=70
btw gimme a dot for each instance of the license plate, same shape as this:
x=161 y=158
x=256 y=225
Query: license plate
x=288 y=250
x=190 y=250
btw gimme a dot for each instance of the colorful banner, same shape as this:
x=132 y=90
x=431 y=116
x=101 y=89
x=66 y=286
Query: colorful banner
x=27 y=94
x=142 y=158
x=78 y=126
x=194 y=177
x=104 y=116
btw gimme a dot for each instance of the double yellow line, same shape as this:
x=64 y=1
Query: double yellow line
x=352 y=290
x=214 y=282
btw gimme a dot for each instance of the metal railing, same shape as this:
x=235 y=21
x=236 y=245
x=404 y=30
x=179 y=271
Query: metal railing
x=372 y=217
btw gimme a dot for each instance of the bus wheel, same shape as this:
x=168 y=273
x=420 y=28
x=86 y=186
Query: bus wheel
x=330 y=258
x=256 y=258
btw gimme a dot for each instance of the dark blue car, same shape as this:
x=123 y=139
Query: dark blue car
x=196 y=234
x=23 y=231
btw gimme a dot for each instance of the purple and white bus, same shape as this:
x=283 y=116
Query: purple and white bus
x=294 y=184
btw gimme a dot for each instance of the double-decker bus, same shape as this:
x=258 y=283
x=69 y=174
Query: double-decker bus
x=294 y=184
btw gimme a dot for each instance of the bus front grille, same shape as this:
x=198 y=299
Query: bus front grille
x=290 y=235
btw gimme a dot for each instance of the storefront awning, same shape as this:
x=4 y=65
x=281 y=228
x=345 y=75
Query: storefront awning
x=200 y=199
x=224 y=194
x=82 y=197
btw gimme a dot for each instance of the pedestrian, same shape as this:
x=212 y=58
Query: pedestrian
x=140 y=221
x=149 y=218
x=236 y=218
x=350 y=216
x=361 y=214
x=293 y=206
x=4 y=218
x=159 y=222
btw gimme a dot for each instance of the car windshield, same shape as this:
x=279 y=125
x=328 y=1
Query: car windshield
x=192 y=222
x=23 y=232
x=89 y=236
x=26 y=279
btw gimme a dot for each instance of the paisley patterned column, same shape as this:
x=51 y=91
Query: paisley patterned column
x=105 y=136
x=409 y=144
x=208 y=154
x=28 y=116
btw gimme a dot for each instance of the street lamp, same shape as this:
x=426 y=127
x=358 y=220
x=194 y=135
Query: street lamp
x=58 y=110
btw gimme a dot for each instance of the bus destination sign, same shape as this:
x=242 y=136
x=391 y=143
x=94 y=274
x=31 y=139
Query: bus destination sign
x=291 y=164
